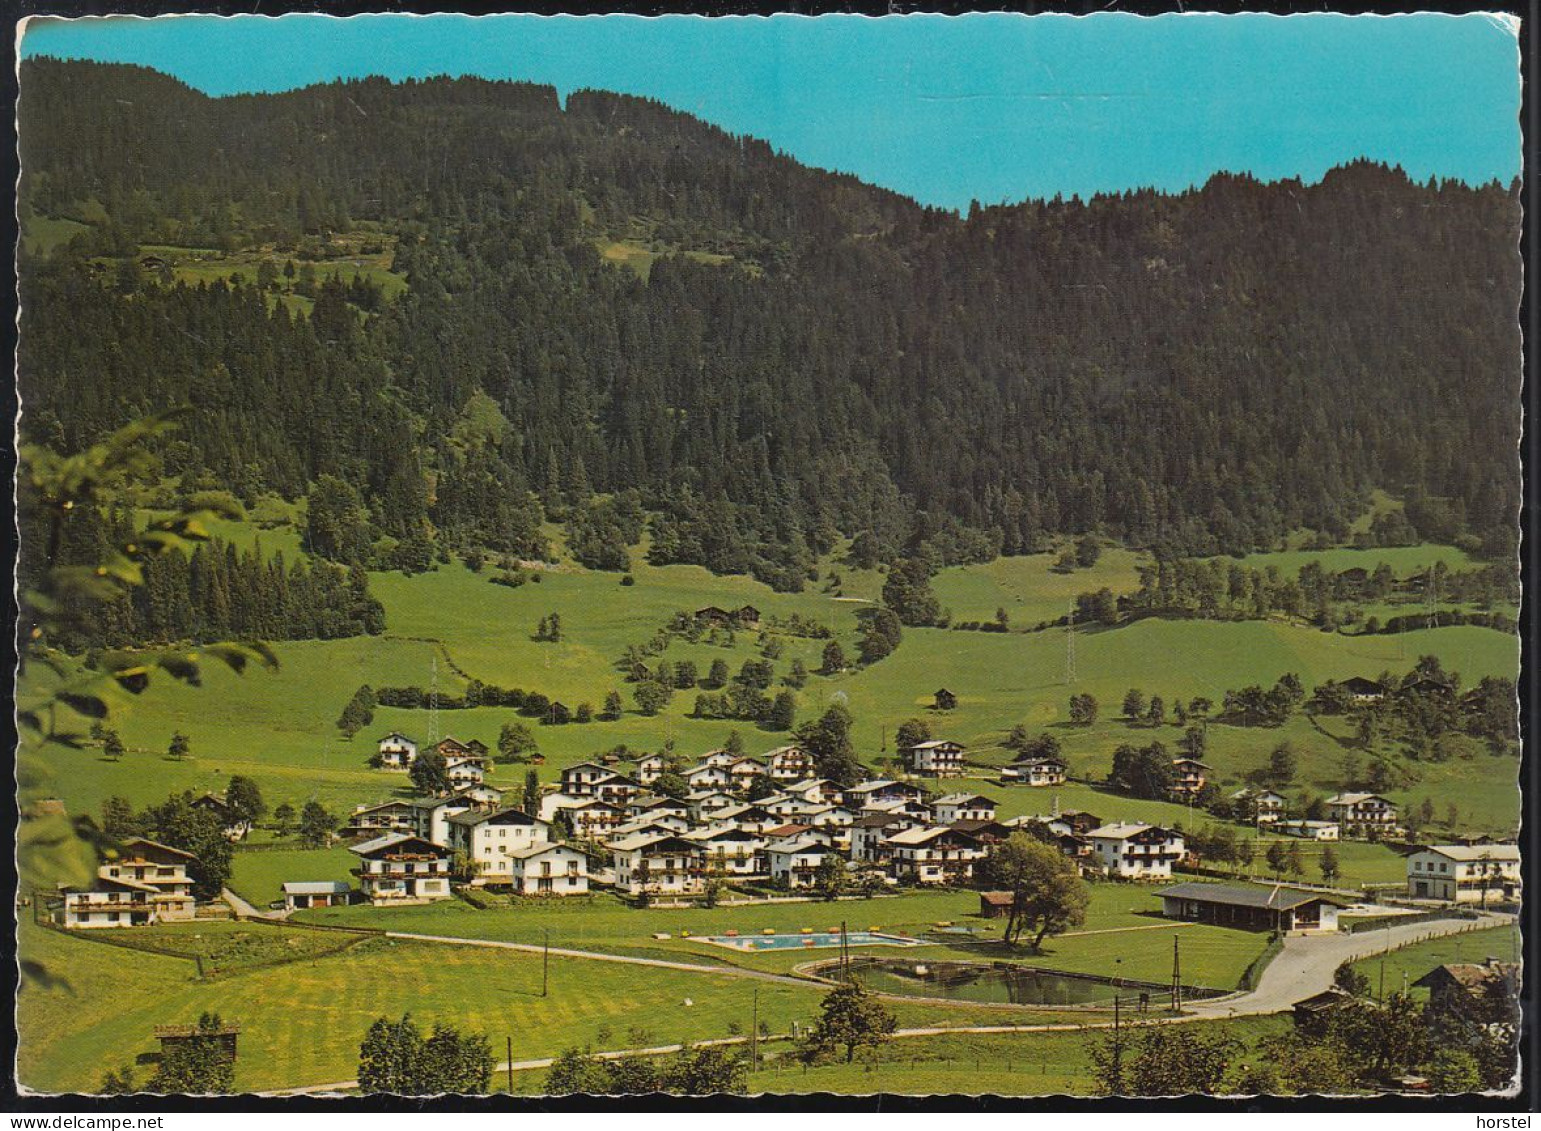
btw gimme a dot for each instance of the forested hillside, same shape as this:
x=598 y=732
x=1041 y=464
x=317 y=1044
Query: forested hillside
x=807 y=357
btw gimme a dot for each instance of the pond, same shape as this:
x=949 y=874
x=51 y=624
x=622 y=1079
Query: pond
x=1005 y=984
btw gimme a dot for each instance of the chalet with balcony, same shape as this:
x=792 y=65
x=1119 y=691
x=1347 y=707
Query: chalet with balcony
x=796 y=862
x=1189 y=777
x=937 y=758
x=934 y=855
x=1136 y=851
x=146 y=884
x=954 y=807
x=387 y=817
x=400 y=868
x=789 y=764
x=397 y=752
x=1037 y=769
x=1364 y=814
x=548 y=869
x=658 y=865
x=730 y=850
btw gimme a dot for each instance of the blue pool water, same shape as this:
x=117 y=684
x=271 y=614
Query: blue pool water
x=806 y=942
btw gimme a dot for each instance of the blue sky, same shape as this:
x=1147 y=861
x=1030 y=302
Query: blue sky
x=992 y=107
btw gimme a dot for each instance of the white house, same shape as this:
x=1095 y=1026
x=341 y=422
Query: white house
x=878 y=791
x=1136 y=851
x=718 y=758
x=593 y=819
x=934 y=855
x=1364 y=814
x=650 y=768
x=661 y=822
x=580 y=780
x=1036 y=770
x=796 y=862
x=730 y=849
x=1308 y=830
x=548 y=869
x=402 y=868
x=235 y=825
x=1461 y=873
x=705 y=776
x=936 y=758
x=963 y=807
x=1262 y=806
x=617 y=789
x=658 y=806
x=870 y=833
x=397 y=752
x=705 y=803
x=815 y=789
x=753 y=817
x=146 y=883
x=387 y=817
x=464 y=771
x=789 y=763
x=486 y=837
x=658 y=865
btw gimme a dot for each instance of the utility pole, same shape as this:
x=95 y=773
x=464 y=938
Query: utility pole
x=1070 y=646
x=754 y=1033
x=1176 y=977
x=545 y=965
x=510 y=1065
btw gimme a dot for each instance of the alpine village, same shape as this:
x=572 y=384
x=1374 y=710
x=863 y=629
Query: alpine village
x=552 y=597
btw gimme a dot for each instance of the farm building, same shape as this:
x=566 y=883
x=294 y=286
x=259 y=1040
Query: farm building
x=944 y=700
x=1251 y=908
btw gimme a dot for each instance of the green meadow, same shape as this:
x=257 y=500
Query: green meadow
x=278 y=727
x=1399 y=969
x=95 y=1006
x=1124 y=934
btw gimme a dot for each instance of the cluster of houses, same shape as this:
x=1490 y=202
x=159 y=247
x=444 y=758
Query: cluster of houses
x=605 y=826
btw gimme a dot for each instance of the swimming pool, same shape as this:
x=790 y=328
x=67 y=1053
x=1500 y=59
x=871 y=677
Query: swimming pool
x=805 y=942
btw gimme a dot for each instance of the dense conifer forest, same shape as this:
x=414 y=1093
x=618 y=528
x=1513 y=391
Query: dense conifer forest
x=808 y=357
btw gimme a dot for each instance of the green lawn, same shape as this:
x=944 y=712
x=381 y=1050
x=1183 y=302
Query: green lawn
x=1022 y=1064
x=1123 y=936
x=1028 y=589
x=225 y=946
x=258 y=876
x=1404 y=967
x=279 y=727
x=301 y=1022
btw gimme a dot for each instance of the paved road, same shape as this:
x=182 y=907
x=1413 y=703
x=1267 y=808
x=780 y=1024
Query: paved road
x=1306 y=964
x=244 y=910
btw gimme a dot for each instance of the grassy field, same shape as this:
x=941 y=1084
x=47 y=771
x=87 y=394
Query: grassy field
x=1404 y=967
x=279 y=727
x=1024 y=1064
x=258 y=876
x=1123 y=936
x=302 y=1021
x=225 y=946
x=1028 y=588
